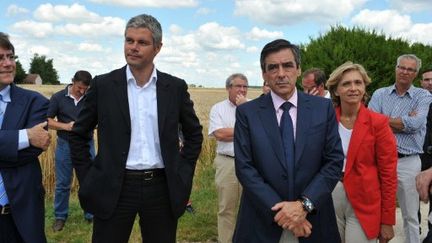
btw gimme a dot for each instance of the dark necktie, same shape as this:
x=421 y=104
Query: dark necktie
x=287 y=134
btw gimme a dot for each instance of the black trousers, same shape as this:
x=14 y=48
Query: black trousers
x=147 y=198
x=8 y=230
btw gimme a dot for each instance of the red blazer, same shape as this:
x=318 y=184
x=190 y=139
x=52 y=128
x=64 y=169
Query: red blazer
x=370 y=179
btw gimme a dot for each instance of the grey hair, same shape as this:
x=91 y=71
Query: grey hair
x=230 y=79
x=412 y=57
x=149 y=22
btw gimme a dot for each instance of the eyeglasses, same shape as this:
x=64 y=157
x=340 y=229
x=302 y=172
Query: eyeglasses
x=409 y=70
x=238 y=86
x=10 y=57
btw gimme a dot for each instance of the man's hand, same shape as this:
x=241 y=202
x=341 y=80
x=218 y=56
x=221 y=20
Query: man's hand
x=423 y=182
x=303 y=230
x=68 y=126
x=289 y=214
x=313 y=91
x=386 y=233
x=240 y=99
x=38 y=136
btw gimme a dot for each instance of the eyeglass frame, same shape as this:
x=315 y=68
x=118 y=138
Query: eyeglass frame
x=8 y=56
x=405 y=69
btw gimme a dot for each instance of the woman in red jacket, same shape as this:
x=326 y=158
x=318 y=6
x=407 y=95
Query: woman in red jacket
x=365 y=198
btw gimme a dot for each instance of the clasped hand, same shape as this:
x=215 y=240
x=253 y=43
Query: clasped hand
x=291 y=216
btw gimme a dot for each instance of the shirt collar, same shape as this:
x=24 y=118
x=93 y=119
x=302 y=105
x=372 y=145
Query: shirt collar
x=131 y=78
x=408 y=92
x=5 y=93
x=278 y=101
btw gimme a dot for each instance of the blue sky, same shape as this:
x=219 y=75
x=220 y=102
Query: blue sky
x=204 y=41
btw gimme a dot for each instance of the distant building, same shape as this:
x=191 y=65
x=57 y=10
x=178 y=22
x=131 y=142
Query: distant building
x=32 y=79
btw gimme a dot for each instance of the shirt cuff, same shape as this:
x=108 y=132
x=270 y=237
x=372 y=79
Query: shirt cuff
x=23 y=141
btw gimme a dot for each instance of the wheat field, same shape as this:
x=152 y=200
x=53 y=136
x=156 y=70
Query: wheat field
x=203 y=100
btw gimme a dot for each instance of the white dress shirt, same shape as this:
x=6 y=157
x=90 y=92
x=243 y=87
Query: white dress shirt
x=144 y=150
x=222 y=115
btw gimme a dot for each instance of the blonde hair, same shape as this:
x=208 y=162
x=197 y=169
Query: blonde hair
x=336 y=76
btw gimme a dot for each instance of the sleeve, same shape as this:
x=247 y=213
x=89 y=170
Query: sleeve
x=215 y=119
x=10 y=156
x=53 y=106
x=80 y=135
x=386 y=159
x=322 y=185
x=192 y=136
x=414 y=123
x=375 y=103
x=262 y=195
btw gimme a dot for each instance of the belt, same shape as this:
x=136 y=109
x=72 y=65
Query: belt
x=5 y=209
x=226 y=155
x=147 y=174
x=403 y=155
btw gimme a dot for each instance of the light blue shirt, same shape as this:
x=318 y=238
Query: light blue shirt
x=387 y=101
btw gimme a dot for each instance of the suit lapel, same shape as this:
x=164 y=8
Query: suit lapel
x=163 y=98
x=267 y=115
x=303 y=124
x=14 y=110
x=359 y=131
x=120 y=90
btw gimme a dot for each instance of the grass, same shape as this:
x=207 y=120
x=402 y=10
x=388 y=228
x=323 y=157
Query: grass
x=198 y=227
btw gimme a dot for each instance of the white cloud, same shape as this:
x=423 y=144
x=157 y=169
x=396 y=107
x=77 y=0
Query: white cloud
x=41 y=50
x=252 y=49
x=394 y=24
x=214 y=36
x=411 y=6
x=175 y=29
x=150 y=3
x=258 y=34
x=204 y=11
x=75 y=12
x=15 y=10
x=111 y=26
x=90 y=47
x=36 y=29
x=290 y=12
x=388 y=20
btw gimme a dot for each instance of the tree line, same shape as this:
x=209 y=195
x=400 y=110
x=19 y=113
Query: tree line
x=38 y=65
x=376 y=52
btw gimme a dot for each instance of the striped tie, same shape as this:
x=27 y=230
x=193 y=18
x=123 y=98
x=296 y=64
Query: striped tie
x=3 y=197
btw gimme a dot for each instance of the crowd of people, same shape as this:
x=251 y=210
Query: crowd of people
x=321 y=164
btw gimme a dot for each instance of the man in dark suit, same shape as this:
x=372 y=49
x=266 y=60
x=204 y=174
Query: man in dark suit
x=288 y=157
x=22 y=139
x=139 y=168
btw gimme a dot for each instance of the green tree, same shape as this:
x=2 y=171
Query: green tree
x=376 y=52
x=20 y=73
x=45 y=68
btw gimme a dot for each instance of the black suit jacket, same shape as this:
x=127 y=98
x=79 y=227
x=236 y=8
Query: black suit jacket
x=426 y=158
x=106 y=105
x=21 y=170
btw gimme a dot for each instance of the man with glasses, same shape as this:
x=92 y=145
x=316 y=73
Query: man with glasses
x=407 y=107
x=222 y=120
x=313 y=82
x=23 y=137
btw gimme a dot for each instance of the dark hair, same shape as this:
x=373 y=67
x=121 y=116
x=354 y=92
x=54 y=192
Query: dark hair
x=319 y=75
x=428 y=69
x=82 y=76
x=5 y=42
x=276 y=46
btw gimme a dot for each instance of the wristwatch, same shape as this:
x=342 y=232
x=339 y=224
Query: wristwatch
x=307 y=204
